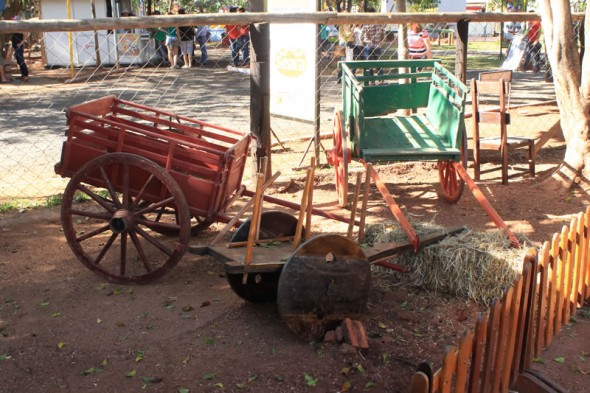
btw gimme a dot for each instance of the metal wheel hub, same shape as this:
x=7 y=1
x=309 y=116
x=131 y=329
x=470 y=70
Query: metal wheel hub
x=123 y=221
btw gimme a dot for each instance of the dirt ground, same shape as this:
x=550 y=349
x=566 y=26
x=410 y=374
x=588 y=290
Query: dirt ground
x=64 y=328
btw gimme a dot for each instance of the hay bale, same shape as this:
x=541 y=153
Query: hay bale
x=473 y=265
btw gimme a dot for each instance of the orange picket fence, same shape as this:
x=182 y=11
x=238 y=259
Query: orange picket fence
x=555 y=281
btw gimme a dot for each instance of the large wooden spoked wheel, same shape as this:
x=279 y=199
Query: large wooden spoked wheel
x=340 y=158
x=326 y=280
x=262 y=287
x=112 y=233
x=451 y=184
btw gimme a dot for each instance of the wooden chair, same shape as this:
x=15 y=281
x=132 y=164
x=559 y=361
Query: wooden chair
x=506 y=75
x=495 y=92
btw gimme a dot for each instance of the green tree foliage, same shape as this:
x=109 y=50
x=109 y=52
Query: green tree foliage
x=422 y=5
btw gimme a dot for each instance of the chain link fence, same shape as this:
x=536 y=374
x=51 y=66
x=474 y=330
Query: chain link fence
x=135 y=66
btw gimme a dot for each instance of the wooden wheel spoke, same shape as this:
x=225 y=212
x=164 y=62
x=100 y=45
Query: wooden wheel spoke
x=140 y=251
x=89 y=214
x=154 y=242
x=162 y=225
x=126 y=195
x=123 y=263
x=106 y=247
x=110 y=187
x=92 y=233
x=142 y=191
x=97 y=198
x=154 y=206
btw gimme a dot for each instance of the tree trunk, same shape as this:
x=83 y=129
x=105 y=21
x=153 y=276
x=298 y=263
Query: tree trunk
x=572 y=89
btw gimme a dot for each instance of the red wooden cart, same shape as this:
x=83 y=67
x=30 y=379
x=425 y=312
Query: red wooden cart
x=148 y=174
x=151 y=178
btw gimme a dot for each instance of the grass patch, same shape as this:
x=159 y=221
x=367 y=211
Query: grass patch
x=18 y=205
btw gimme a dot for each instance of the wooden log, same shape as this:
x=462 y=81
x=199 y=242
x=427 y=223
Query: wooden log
x=327 y=18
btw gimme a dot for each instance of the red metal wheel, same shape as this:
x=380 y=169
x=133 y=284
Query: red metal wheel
x=452 y=185
x=340 y=158
x=112 y=232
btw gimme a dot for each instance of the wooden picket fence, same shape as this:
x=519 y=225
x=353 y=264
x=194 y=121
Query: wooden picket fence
x=555 y=281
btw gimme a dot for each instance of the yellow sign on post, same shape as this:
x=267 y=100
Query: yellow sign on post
x=293 y=62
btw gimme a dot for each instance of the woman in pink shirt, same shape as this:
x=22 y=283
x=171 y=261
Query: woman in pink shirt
x=418 y=42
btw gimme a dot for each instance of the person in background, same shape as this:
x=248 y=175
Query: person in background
x=345 y=45
x=244 y=40
x=511 y=28
x=324 y=43
x=533 y=46
x=239 y=40
x=418 y=42
x=233 y=33
x=186 y=35
x=202 y=36
x=159 y=36
x=3 y=77
x=172 y=42
x=374 y=38
x=18 y=44
x=358 y=47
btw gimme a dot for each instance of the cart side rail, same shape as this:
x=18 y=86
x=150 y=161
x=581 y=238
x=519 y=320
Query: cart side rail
x=158 y=112
x=446 y=105
x=189 y=128
x=106 y=125
x=97 y=107
x=207 y=165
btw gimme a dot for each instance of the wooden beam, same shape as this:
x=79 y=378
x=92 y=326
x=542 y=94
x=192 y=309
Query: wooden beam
x=328 y=18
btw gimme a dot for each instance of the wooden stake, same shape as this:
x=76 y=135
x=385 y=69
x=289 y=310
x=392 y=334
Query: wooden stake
x=253 y=224
x=309 y=203
x=361 y=234
x=303 y=210
x=243 y=210
x=355 y=202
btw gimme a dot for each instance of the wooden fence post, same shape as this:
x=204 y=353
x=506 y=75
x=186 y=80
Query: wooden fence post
x=260 y=92
x=461 y=59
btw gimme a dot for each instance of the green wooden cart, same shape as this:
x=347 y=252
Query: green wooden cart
x=371 y=127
